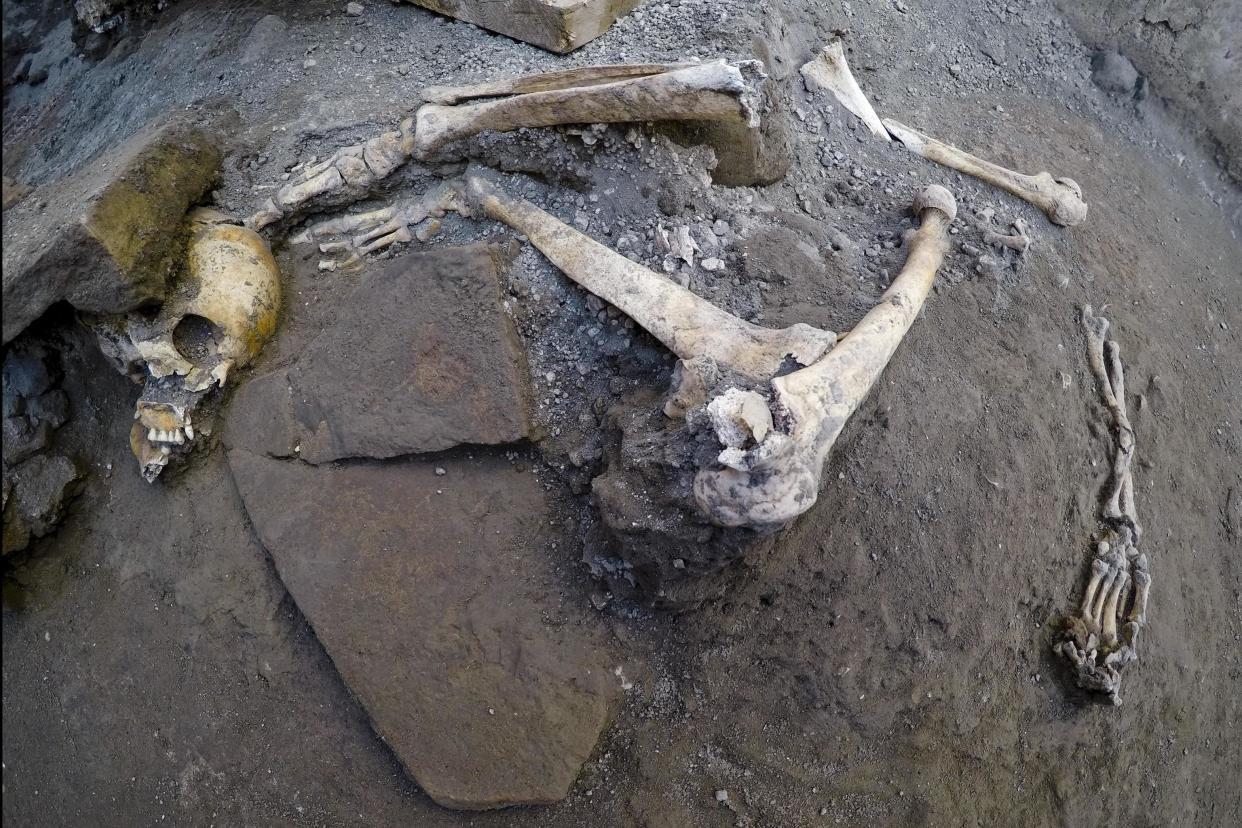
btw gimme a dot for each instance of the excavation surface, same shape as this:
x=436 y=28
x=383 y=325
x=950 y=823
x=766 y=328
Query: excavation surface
x=888 y=663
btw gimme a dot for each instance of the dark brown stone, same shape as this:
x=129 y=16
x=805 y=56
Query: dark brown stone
x=422 y=358
x=434 y=595
x=104 y=238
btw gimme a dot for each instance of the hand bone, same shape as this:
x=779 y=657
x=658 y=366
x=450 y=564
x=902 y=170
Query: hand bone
x=685 y=323
x=1094 y=642
x=830 y=71
x=347 y=176
x=713 y=91
x=778 y=478
x=1060 y=198
x=357 y=234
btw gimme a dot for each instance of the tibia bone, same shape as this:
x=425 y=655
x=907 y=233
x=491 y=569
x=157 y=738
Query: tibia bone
x=548 y=81
x=778 y=479
x=1059 y=198
x=830 y=71
x=347 y=176
x=685 y=323
x=714 y=91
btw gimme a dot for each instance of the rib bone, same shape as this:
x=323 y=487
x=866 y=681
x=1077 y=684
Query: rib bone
x=1059 y=198
x=778 y=479
x=686 y=324
x=714 y=91
x=830 y=71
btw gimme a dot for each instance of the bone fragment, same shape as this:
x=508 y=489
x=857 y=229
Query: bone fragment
x=1059 y=198
x=713 y=91
x=686 y=324
x=778 y=479
x=830 y=71
x=548 y=81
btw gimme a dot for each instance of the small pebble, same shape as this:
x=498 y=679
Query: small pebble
x=354 y=9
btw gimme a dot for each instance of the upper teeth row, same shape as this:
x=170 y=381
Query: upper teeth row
x=177 y=435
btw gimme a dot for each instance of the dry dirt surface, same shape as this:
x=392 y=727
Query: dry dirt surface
x=887 y=662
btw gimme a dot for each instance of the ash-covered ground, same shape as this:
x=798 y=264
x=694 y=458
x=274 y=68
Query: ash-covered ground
x=887 y=661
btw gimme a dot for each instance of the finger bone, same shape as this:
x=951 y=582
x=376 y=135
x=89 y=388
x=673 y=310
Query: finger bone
x=1060 y=199
x=813 y=404
x=830 y=71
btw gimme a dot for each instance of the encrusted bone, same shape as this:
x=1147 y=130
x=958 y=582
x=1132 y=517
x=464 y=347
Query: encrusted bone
x=1059 y=198
x=1103 y=638
x=347 y=176
x=712 y=91
x=830 y=71
x=688 y=325
x=777 y=478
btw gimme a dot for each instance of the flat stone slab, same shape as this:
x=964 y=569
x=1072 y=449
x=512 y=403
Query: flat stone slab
x=103 y=239
x=436 y=598
x=423 y=357
x=555 y=25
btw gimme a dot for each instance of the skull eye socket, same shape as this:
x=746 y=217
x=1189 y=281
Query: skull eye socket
x=196 y=338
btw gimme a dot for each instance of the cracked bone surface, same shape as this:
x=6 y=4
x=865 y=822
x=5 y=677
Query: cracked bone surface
x=830 y=71
x=688 y=325
x=711 y=91
x=1059 y=198
x=1103 y=638
x=217 y=318
x=776 y=476
x=346 y=176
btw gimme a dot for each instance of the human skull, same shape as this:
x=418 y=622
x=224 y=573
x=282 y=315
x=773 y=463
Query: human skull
x=217 y=318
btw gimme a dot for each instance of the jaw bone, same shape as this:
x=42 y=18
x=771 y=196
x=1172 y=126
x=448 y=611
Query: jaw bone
x=1059 y=198
x=713 y=91
x=830 y=71
x=777 y=478
x=685 y=323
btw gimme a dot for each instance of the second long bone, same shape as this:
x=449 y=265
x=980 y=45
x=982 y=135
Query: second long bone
x=684 y=322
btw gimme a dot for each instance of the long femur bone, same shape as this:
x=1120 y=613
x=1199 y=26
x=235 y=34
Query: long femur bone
x=1059 y=198
x=685 y=323
x=830 y=71
x=712 y=91
x=777 y=479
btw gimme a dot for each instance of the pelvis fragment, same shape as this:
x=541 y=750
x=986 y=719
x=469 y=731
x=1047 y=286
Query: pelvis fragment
x=218 y=318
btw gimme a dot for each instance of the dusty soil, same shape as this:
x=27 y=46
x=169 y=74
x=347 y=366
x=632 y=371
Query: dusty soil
x=888 y=662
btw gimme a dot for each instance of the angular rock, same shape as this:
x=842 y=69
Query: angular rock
x=35 y=495
x=432 y=594
x=103 y=238
x=422 y=358
x=555 y=25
